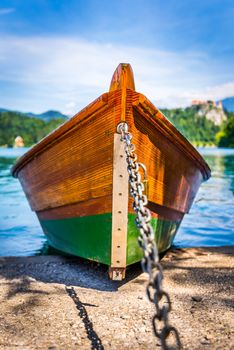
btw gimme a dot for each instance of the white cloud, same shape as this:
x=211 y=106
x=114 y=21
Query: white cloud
x=215 y=93
x=6 y=11
x=70 y=108
x=67 y=73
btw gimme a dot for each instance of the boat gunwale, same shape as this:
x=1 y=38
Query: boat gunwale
x=142 y=105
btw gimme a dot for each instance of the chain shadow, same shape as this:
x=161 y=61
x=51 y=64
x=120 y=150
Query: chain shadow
x=96 y=343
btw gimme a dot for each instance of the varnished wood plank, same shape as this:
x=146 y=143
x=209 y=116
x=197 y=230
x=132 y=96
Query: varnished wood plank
x=173 y=178
x=94 y=206
x=75 y=168
x=62 y=131
x=159 y=211
x=161 y=123
x=122 y=78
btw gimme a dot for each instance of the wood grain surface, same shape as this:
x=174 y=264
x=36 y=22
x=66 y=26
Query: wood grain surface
x=70 y=171
x=76 y=167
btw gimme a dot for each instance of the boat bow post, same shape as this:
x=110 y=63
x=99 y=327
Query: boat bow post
x=120 y=199
x=122 y=79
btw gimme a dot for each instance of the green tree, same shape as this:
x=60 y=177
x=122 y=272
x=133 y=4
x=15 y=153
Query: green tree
x=195 y=127
x=30 y=129
x=225 y=138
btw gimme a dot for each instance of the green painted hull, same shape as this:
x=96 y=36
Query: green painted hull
x=164 y=230
x=90 y=236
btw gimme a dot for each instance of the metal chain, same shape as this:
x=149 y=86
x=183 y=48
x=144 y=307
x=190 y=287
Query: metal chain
x=150 y=262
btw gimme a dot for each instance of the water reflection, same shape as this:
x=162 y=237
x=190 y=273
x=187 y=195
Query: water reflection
x=20 y=232
x=210 y=221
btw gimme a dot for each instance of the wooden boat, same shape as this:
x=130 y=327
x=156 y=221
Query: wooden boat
x=76 y=181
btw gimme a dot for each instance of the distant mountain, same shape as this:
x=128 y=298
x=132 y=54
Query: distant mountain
x=46 y=116
x=49 y=115
x=228 y=104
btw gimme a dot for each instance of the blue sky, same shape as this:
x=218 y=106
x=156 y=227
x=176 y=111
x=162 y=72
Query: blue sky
x=61 y=54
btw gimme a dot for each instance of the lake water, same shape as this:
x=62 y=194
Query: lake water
x=209 y=223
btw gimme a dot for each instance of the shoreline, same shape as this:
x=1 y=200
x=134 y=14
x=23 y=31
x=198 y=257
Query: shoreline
x=38 y=312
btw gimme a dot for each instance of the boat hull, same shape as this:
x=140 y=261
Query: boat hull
x=90 y=237
x=76 y=178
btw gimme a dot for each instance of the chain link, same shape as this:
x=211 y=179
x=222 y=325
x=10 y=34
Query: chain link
x=150 y=262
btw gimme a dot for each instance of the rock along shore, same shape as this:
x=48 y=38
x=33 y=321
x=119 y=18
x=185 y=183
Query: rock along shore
x=38 y=311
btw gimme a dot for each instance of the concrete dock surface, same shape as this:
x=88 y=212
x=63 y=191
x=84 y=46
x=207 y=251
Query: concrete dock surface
x=39 y=312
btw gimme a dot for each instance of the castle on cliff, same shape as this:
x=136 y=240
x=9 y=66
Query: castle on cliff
x=211 y=103
x=211 y=110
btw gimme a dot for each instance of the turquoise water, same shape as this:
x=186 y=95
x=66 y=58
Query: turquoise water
x=211 y=218
x=20 y=232
x=209 y=223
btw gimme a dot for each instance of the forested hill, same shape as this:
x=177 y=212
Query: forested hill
x=201 y=125
x=195 y=127
x=204 y=125
x=47 y=116
x=31 y=129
